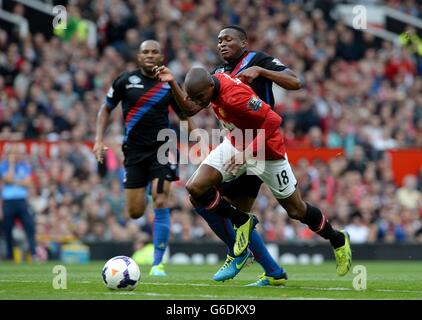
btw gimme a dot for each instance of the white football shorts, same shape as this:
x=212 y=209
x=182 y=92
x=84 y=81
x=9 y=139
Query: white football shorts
x=276 y=174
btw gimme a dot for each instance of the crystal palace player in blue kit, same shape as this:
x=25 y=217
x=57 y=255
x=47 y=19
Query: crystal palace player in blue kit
x=260 y=71
x=145 y=102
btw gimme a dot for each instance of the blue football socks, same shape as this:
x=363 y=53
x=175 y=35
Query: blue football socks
x=161 y=233
x=223 y=228
x=263 y=256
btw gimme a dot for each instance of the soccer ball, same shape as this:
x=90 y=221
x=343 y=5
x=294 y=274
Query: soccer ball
x=121 y=273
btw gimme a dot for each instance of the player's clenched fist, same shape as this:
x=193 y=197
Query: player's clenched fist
x=163 y=73
x=99 y=151
x=249 y=74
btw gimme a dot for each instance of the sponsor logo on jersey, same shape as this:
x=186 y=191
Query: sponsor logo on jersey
x=139 y=86
x=134 y=80
x=254 y=103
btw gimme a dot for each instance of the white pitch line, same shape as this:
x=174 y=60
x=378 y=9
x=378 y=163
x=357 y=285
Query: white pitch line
x=172 y=295
x=153 y=294
x=183 y=284
x=392 y=290
x=38 y=281
x=271 y=287
x=23 y=281
x=326 y=289
x=230 y=286
x=237 y=286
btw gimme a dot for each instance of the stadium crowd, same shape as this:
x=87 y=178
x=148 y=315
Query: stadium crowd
x=360 y=93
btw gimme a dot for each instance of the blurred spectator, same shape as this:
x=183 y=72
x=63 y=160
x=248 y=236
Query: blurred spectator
x=116 y=200
x=357 y=229
x=408 y=196
x=15 y=174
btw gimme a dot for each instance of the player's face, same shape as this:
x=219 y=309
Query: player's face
x=149 y=55
x=230 y=44
x=202 y=97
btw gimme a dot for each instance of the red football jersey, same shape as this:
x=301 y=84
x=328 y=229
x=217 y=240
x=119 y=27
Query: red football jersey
x=237 y=106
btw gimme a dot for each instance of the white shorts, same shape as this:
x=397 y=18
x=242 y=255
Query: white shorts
x=276 y=174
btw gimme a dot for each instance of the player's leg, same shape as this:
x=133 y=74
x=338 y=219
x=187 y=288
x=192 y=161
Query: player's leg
x=317 y=222
x=135 y=200
x=242 y=193
x=161 y=227
x=135 y=182
x=279 y=177
x=162 y=175
x=221 y=226
x=201 y=187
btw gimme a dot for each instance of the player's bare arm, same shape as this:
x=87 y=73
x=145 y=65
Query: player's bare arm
x=286 y=79
x=103 y=118
x=189 y=108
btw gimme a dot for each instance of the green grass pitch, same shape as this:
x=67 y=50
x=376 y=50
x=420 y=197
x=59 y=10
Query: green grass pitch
x=385 y=280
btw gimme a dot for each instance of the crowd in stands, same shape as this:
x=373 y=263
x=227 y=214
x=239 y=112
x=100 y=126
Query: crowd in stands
x=360 y=93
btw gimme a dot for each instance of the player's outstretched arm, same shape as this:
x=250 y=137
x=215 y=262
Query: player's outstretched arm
x=103 y=118
x=189 y=108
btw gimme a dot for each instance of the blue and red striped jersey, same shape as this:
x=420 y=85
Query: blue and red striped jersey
x=145 y=103
x=261 y=85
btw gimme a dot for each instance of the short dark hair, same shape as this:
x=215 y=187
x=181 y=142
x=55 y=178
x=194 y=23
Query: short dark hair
x=242 y=33
x=196 y=79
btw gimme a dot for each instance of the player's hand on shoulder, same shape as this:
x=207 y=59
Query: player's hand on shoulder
x=234 y=164
x=250 y=74
x=163 y=73
x=99 y=150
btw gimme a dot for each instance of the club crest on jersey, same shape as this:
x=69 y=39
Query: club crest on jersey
x=134 y=79
x=134 y=82
x=254 y=103
x=222 y=112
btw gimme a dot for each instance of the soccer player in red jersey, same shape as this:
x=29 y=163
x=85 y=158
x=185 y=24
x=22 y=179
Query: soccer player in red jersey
x=260 y=71
x=237 y=106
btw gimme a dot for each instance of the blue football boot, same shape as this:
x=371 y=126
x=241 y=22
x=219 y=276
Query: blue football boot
x=233 y=265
